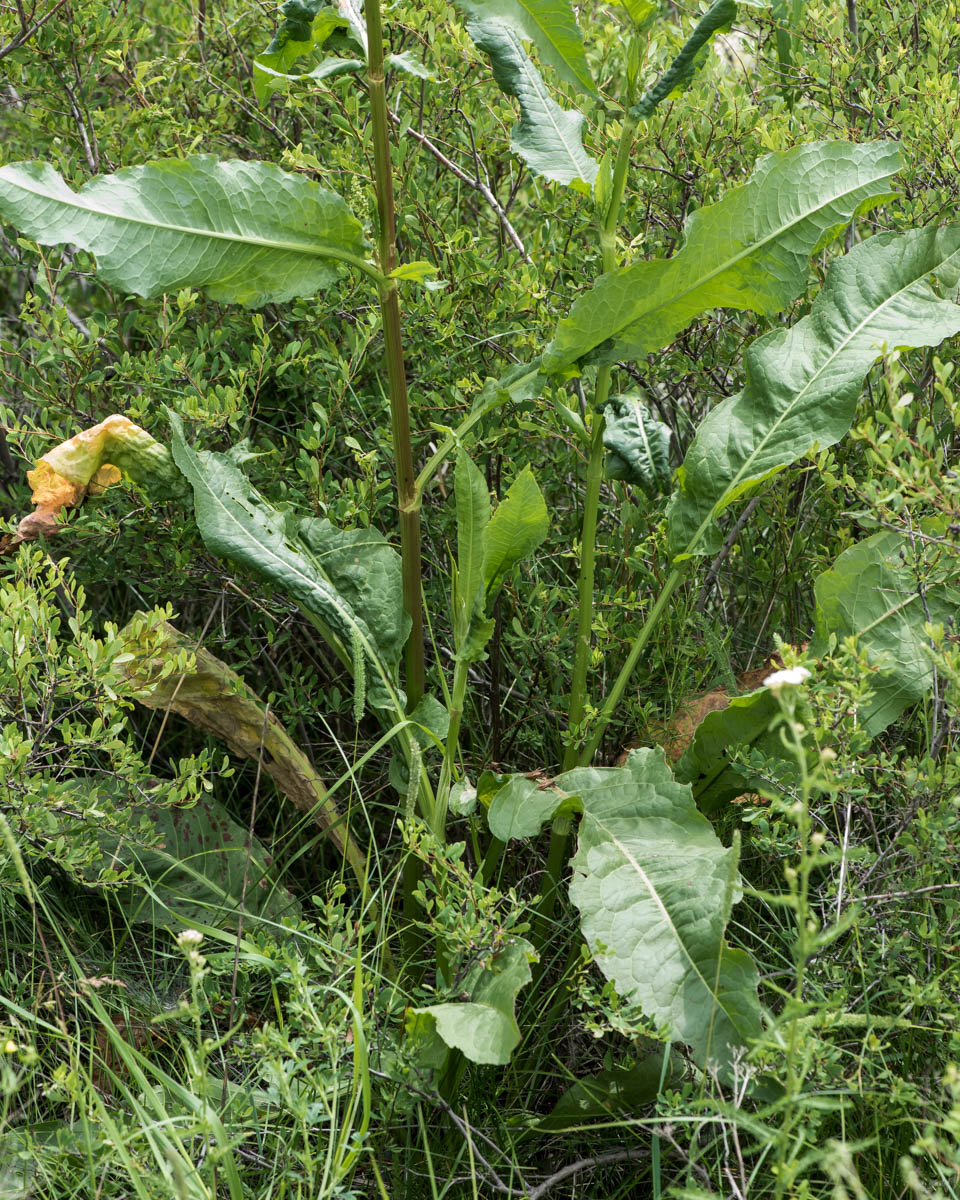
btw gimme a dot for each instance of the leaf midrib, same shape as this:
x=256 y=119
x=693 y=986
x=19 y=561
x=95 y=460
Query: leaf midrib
x=315 y=250
x=655 y=896
x=291 y=565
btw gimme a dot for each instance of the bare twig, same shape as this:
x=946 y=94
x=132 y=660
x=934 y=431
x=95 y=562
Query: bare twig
x=471 y=181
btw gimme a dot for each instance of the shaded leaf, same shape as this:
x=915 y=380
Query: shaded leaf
x=245 y=232
x=750 y=250
x=803 y=383
x=549 y=138
x=679 y=75
x=883 y=591
x=637 y=444
x=196 y=874
x=743 y=721
x=237 y=523
x=484 y=1029
x=617 y=1092
x=305 y=26
x=366 y=571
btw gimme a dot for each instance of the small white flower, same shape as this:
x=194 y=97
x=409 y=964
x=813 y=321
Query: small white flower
x=189 y=939
x=794 y=675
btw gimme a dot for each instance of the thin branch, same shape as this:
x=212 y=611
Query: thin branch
x=472 y=182
x=27 y=34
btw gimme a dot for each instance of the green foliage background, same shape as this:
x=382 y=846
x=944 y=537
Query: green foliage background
x=102 y=86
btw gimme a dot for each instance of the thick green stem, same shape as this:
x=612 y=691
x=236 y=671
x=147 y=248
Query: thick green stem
x=557 y=854
x=615 y=694
x=591 y=503
x=408 y=500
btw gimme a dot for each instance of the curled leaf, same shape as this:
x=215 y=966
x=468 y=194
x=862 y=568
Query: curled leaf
x=216 y=700
x=89 y=462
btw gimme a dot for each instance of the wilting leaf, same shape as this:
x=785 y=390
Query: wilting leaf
x=679 y=75
x=245 y=232
x=803 y=383
x=484 y=1028
x=750 y=250
x=637 y=444
x=236 y=522
x=883 y=591
x=87 y=463
x=549 y=138
x=549 y=24
x=655 y=888
x=216 y=700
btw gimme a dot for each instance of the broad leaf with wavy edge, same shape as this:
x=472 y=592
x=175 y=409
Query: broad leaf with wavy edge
x=236 y=523
x=750 y=250
x=549 y=138
x=883 y=591
x=484 y=1028
x=803 y=383
x=655 y=888
x=244 y=232
x=637 y=445
x=549 y=24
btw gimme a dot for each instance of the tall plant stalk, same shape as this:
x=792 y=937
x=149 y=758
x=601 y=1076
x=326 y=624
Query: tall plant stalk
x=591 y=509
x=408 y=496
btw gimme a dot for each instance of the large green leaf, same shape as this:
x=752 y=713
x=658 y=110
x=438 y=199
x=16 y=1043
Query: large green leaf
x=484 y=1028
x=367 y=573
x=751 y=250
x=237 y=523
x=884 y=590
x=549 y=138
x=473 y=516
x=637 y=445
x=549 y=24
x=516 y=529
x=655 y=888
x=803 y=383
x=245 y=232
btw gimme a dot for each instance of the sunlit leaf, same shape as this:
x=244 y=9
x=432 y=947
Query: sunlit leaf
x=803 y=383
x=750 y=250
x=655 y=888
x=549 y=24
x=549 y=138
x=484 y=1028
x=244 y=232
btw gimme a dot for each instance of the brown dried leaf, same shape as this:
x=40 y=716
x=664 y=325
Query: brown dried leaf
x=216 y=699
